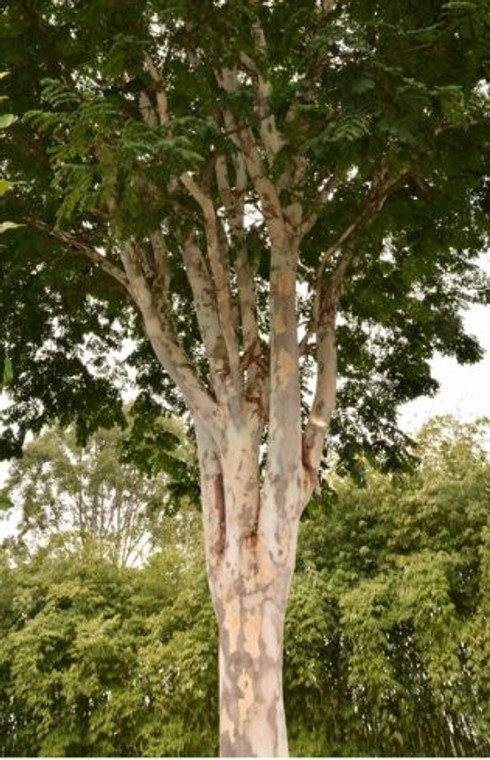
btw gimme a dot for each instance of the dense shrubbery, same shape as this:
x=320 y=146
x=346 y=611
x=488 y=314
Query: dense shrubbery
x=387 y=641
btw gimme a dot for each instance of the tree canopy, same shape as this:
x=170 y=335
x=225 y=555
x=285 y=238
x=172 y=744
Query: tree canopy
x=375 y=113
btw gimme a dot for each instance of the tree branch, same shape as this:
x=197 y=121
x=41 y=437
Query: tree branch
x=83 y=249
x=162 y=100
x=326 y=381
x=272 y=140
x=159 y=328
x=223 y=296
x=233 y=201
x=160 y=257
x=213 y=504
x=325 y=309
x=206 y=312
x=374 y=204
x=244 y=139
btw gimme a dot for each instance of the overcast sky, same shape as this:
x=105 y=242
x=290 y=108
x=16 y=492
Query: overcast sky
x=464 y=390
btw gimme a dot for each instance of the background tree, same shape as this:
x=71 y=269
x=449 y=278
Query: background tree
x=245 y=177
x=81 y=495
x=99 y=659
x=399 y=569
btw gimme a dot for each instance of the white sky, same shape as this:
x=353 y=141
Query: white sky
x=464 y=390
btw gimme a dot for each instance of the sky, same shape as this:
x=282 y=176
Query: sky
x=464 y=390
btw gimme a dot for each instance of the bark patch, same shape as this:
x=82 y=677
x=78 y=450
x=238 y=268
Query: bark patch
x=285 y=368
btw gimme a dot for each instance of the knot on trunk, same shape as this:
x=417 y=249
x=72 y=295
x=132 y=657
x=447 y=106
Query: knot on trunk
x=250 y=540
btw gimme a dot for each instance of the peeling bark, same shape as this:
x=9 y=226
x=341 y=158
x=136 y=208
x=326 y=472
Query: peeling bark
x=250 y=567
x=252 y=720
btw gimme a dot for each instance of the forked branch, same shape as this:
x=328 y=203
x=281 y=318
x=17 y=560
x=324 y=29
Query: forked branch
x=223 y=296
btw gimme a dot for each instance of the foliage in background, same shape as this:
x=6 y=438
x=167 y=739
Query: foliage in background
x=113 y=493
x=387 y=641
x=396 y=665
x=101 y=660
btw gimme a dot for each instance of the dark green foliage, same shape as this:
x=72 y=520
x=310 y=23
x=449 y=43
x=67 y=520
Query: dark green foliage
x=367 y=91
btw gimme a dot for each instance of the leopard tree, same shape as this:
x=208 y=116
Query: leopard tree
x=280 y=204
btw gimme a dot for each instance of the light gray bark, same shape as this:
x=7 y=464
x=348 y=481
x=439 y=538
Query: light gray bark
x=252 y=720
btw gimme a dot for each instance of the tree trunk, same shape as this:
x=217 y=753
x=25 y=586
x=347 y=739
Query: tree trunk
x=251 y=531
x=252 y=720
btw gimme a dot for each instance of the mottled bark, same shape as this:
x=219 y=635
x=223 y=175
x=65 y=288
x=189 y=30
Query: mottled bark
x=252 y=720
x=250 y=567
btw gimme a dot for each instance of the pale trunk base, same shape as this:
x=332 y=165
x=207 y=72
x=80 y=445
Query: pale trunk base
x=252 y=720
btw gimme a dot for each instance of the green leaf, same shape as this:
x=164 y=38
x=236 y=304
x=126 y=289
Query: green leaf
x=5 y=185
x=6 y=119
x=5 y=503
x=8 y=372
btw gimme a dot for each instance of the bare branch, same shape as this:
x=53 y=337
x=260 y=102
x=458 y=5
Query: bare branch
x=162 y=100
x=233 y=203
x=160 y=256
x=81 y=248
x=206 y=311
x=211 y=226
x=159 y=328
x=326 y=359
x=223 y=297
x=244 y=139
x=146 y=109
x=272 y=139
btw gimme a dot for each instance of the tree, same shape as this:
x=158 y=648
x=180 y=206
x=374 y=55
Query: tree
x=391 y=608
x=273 y=190
x=80 y=496
x=99 y=659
